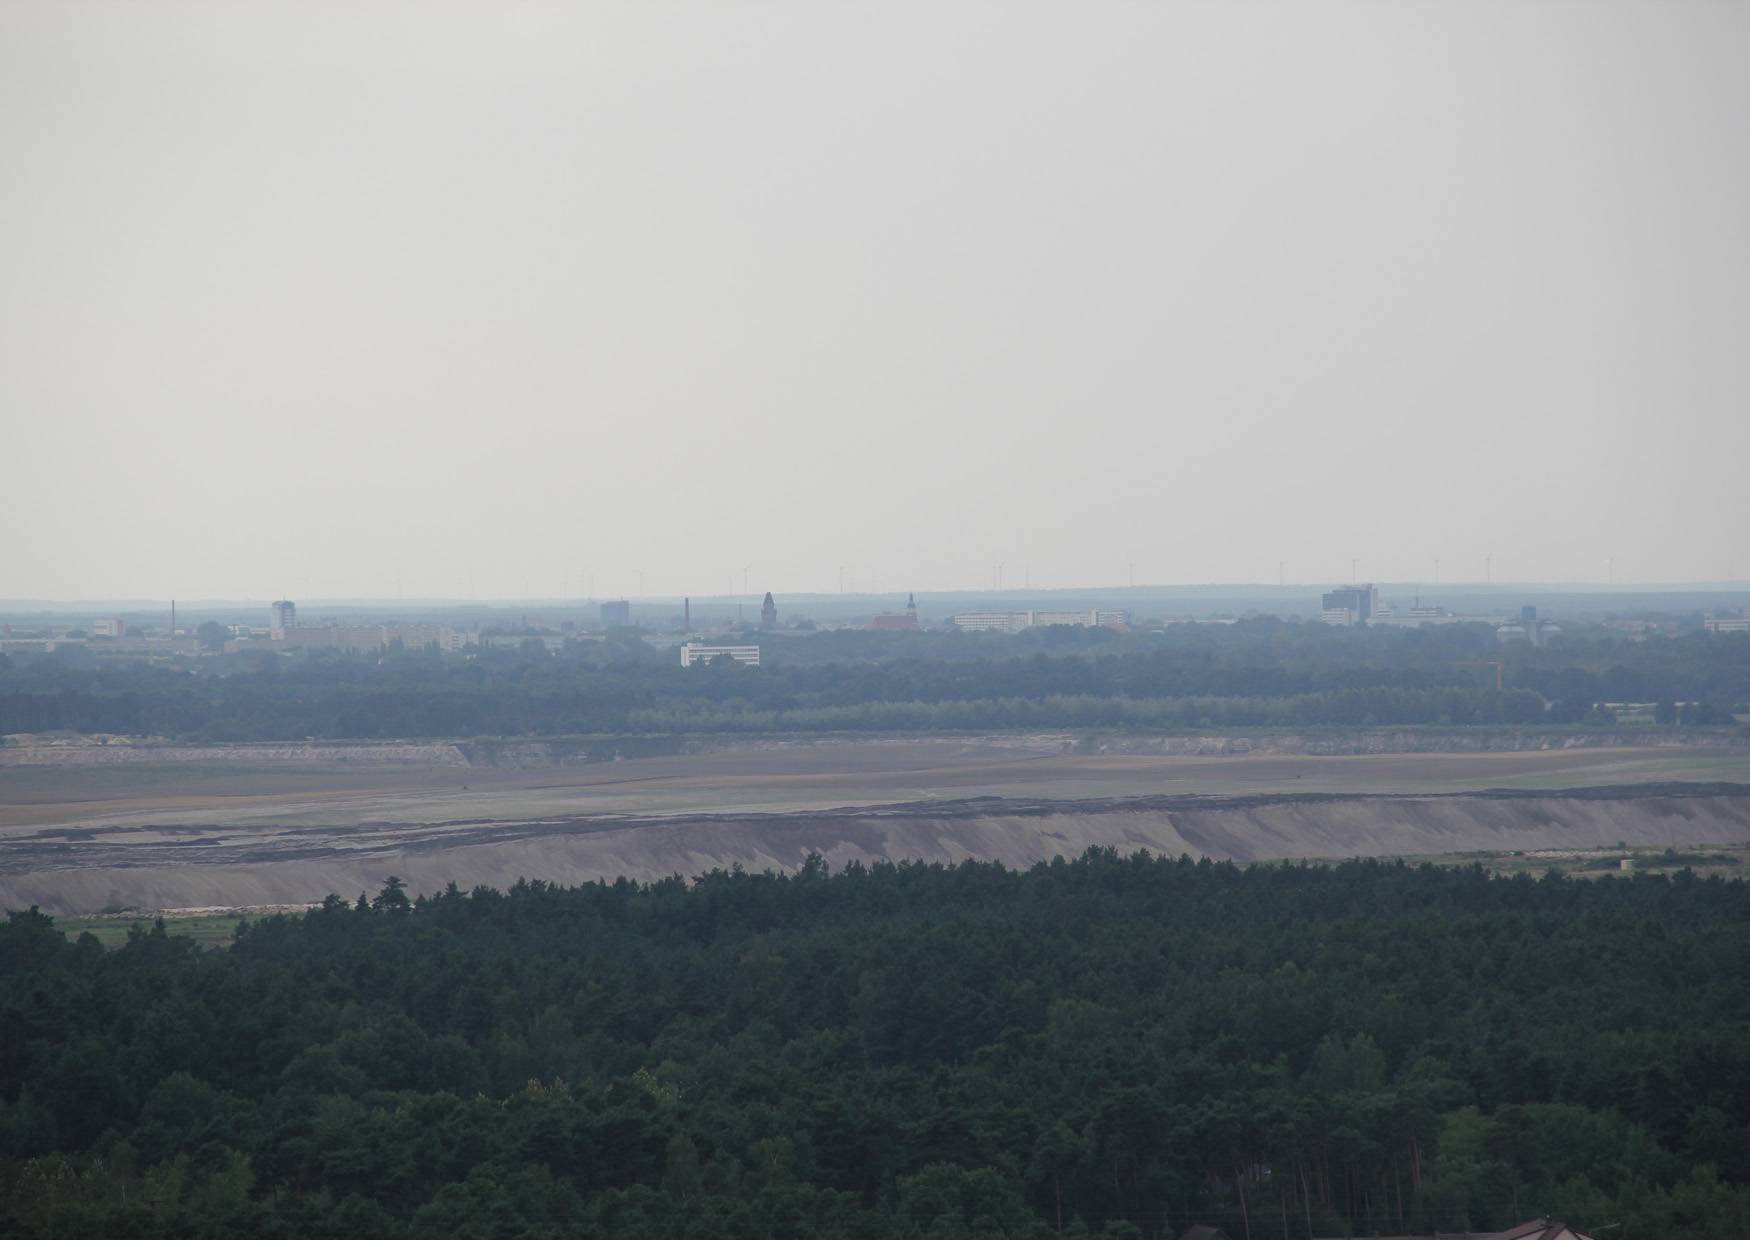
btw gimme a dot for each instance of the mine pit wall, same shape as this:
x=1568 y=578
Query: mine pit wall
x=1342 y=742
x=254 y=753
x=537 y=754
x=582 y=851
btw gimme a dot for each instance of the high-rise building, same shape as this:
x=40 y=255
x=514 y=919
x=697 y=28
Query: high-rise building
x=617 y=614
x=768 y=613
x=1350 y=605
x=285 y=616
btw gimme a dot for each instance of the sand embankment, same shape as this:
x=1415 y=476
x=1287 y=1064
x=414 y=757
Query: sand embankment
x=32 y=750
x=1334 y=742
x=71 y=871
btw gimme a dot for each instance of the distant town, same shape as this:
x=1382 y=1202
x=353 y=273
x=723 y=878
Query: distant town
x=701 y=634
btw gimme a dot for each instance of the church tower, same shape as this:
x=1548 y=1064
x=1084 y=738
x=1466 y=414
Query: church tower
x=768 y=613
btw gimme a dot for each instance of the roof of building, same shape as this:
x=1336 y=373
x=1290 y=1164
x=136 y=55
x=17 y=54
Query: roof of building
x=1540 y=1229
x=1535 y=1229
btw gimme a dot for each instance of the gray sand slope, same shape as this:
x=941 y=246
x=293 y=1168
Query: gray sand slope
x=84 y=870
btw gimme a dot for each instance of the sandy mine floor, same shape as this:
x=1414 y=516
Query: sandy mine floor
x=177 y=832
x=821 y=776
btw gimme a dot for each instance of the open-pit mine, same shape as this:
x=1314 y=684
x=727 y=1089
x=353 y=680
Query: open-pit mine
x=87 y=827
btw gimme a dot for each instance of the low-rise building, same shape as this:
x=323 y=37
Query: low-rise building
x=991 y=621
x=1015 y=621
x=1528 y=628
x=1093 y=617
x=907 y=619
x=366 y=637
x=37 y=645
x=1727 y=624
x=112 y=647
x=1535 y=1229
x=894 y=620
x=330 y=637
x=553 y=643
x=698 y=652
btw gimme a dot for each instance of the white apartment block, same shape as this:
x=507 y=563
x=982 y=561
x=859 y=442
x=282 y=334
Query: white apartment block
x=698 y=652
x=992 y=621
x=1015 y=621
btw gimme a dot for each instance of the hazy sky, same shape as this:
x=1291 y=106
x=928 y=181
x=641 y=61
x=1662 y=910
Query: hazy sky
x=367 y=299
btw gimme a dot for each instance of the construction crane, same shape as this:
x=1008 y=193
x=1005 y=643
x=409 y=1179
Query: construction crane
x=1494 y=663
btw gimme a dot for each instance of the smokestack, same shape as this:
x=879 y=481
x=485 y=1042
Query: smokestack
x=687 y=614
x=173 y=617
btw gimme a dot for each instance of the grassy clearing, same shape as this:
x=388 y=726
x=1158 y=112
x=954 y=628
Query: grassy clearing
x=1726 y=860
x=111 y=929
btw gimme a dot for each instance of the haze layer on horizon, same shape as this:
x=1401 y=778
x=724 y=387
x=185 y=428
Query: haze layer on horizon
x=547 y=301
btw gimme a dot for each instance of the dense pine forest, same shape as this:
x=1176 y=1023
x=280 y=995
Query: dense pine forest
x=1257 y=673
x=1114 y=1047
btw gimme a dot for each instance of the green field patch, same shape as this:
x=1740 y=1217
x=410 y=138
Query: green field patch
x=112 y=929
x=1724 y=859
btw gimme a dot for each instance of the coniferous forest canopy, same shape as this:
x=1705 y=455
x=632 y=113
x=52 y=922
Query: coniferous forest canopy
x=1257 y=673
x=1109 y=1047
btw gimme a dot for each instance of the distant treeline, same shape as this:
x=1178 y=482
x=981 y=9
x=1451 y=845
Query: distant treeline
x=1110 y=1047
x=1251 y=674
